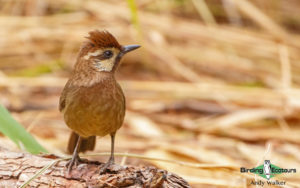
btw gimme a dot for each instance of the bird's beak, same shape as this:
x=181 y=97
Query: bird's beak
x=125 y=50
x=129 y=48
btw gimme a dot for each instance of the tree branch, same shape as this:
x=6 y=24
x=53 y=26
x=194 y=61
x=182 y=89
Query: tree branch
x=17 y=168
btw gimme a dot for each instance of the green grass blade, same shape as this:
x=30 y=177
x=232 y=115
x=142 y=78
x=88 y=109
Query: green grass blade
x=17 y=133
x=134 y=14
x=134 y=18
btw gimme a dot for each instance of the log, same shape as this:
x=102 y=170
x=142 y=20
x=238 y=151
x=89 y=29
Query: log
x=18 y=167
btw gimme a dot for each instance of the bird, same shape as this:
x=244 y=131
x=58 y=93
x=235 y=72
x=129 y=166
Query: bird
x=92 y=102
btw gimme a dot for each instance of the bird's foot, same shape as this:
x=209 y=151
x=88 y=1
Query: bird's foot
x=106 y=166
x=73 y=162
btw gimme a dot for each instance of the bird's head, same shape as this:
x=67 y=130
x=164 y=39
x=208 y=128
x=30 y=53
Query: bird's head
x=102 y=52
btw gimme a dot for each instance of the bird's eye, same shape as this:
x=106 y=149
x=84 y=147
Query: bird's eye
x=107 y=53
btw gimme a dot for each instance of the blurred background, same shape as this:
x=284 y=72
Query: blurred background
x=215 y=82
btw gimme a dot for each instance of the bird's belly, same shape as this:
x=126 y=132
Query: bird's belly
x=96 y=117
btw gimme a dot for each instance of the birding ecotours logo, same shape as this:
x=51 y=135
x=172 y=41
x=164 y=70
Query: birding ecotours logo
x=268 y=170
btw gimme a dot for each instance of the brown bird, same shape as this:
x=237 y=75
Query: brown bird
x=92 y=101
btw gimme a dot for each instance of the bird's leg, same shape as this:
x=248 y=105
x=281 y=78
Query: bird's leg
x=111 y=160
x=75 y=157
x=112 y=149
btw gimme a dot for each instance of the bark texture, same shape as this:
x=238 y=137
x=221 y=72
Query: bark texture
x=16 y=168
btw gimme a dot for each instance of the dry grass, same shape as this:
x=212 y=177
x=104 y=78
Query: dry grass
x=220 y=95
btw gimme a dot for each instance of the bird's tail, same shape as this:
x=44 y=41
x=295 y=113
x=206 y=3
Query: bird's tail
x=85 y=145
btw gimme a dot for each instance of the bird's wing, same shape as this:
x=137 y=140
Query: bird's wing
x=63 y=97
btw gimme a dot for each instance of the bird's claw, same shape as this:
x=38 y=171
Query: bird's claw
x=73 y=162
x=109 y=163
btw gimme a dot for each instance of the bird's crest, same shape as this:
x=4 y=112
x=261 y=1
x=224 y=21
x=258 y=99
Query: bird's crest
x=103 y=39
